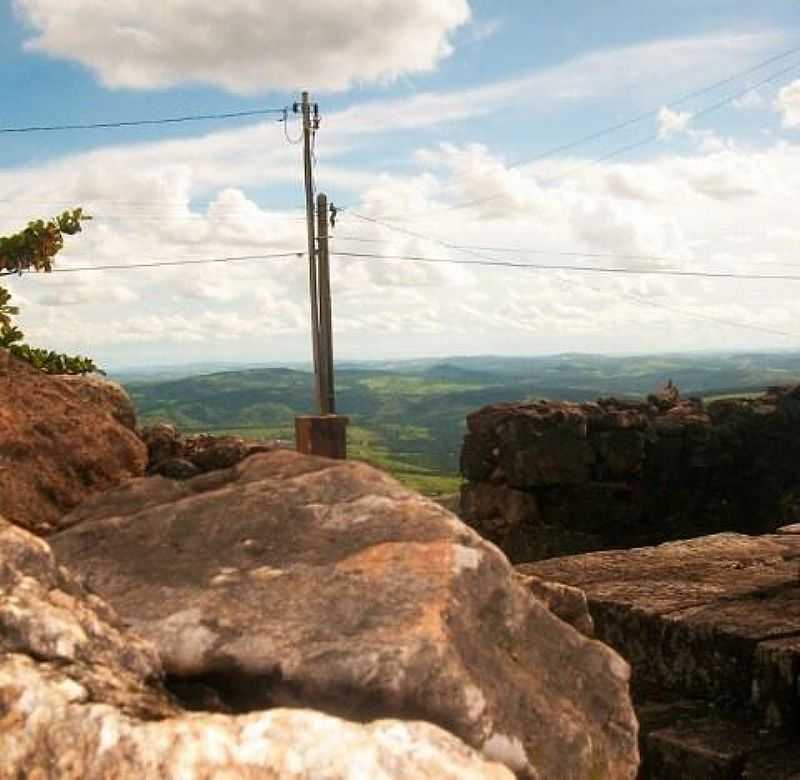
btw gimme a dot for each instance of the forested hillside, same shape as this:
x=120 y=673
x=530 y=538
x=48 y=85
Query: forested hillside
x=409 y=416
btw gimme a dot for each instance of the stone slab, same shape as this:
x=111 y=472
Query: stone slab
x=716 y=618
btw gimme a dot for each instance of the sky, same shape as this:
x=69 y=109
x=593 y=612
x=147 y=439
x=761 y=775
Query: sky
x=483 y=137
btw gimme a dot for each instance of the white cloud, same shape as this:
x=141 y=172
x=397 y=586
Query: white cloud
x=726 y=210
x=750 y=100
x=682 y=63
x=485 y=29
x=788 y=103
x=672 y=122
x=718 y=206
x=246 y=46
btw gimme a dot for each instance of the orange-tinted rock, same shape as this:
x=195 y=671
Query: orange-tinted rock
x=56 y=447
x=104 y=395
x=81 y=697
x=299 y=581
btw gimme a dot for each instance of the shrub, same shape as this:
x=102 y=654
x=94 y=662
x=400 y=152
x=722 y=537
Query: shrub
x=34 y=249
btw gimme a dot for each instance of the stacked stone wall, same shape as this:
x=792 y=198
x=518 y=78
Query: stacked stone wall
x=546 y=478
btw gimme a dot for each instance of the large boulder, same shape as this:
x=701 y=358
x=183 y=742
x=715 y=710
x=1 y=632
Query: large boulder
x=293 y=580
x=56 y=448
x=81 y=697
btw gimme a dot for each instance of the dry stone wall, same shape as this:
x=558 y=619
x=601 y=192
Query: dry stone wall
x=548 y=478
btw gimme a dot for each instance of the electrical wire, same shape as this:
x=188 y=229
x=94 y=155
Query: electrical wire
x=555 y=252
x=642 y=301
x=655 y=111
x=642 y=141
x=628 y=296
x=636 y=144
x=582 y=286
x=159 y=264
x=139 y=122
x=581 y=268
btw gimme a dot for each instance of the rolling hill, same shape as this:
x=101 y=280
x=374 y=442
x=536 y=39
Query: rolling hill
x=408 y=416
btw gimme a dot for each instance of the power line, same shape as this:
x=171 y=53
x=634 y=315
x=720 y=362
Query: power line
x=159 y=264
x=138 y=122
x=629 y=296
x=558 y=252
x=528 y=251
x=650 y=138
x=152 y=217
x=654 y=112
x=642 y=301
x=642 y=141
x=581 y=268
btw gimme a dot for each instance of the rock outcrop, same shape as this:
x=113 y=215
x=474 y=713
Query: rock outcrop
x=81 y=697
x=48 y=618
x=104 y=395
x=292 y=580
x=56 y=447
x=173 y=455
x=553 y=478
x=711 y=627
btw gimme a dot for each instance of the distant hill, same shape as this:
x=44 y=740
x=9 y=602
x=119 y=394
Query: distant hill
x=408 y=416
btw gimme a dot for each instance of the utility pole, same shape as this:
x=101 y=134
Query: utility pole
x=327 y=392
x=310 y=126
x=323 y=433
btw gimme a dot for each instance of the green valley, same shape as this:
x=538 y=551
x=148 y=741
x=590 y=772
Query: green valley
x=408 y=416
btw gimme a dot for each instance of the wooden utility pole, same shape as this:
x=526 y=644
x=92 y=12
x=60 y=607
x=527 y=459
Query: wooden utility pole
x=324 y=433
x=310 y=126
x=327 y=392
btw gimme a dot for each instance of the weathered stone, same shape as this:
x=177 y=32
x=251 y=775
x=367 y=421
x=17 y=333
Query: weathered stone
x=712 y=629
x=56 y=449
x=617 y=473
x=782 y=764
x=164 y=442
x=506 y=516
x=47 y=617
x=698 y=744
x=451 y=502
x=291 y=580
x=531 y=444
x=527 y=530
x=620 y=453
x=181 y=457
x=178 y=468
x=53 y=729
x=545 y=449
x=716 y=618
x=103 y=394
x=564 y=601
x=209 y=453
x=81 y=697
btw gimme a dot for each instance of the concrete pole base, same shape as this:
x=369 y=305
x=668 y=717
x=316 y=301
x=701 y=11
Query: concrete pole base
x=324 y=435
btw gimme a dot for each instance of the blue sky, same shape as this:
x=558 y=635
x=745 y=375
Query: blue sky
x=425 y=106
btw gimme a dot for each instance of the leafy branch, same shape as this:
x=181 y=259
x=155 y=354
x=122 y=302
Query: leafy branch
x=35 y=248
